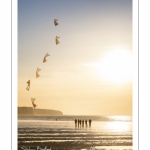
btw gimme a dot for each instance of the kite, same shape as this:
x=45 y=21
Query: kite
x=55 y=22
x=28 y=87
x=34 y=105
x=56 y=39
x=37 y=75
x=44 y=60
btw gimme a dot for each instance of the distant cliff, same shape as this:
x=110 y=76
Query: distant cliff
x=29 y=111
x=46 y=112
x=25 y=111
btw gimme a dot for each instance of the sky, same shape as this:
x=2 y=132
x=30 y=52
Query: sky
x=90 y=71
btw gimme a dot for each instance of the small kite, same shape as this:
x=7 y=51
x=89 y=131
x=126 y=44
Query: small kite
x=34 y=105
x=56 y=39
x=28 y=87
x=37 y=75
x=44 y=60
x=55 y=22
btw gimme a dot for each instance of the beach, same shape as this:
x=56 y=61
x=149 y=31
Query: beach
x=105 y=133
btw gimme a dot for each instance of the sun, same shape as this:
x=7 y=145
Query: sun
x=116 y=66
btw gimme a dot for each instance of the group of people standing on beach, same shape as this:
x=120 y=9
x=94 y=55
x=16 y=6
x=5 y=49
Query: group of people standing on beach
x=81 y=123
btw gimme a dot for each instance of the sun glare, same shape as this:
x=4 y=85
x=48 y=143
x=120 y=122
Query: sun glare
x=118 y=126
x=116 y=66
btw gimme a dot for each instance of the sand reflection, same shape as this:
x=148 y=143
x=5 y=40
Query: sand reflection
x=118 y=126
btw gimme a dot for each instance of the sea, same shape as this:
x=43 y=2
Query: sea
x=61 y=133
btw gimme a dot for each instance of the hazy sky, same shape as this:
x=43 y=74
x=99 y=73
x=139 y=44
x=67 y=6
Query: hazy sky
x=90 y=71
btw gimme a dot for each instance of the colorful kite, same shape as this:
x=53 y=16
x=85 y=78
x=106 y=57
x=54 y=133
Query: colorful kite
x=37 y=71
x=56 y=39
x=44 y=60
x=55 y=22
x=34 y=105
x=28 y=87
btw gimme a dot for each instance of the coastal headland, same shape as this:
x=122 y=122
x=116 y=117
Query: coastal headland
x=29 y=111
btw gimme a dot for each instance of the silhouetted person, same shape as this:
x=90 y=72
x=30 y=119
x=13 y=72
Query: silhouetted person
x=86 y=123
x=56 y=119
x=75 y=122
x=90 y=122
x=82 y=123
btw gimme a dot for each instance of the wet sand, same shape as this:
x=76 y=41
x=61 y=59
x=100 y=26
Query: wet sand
x=63 y=135
x=70 y=145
